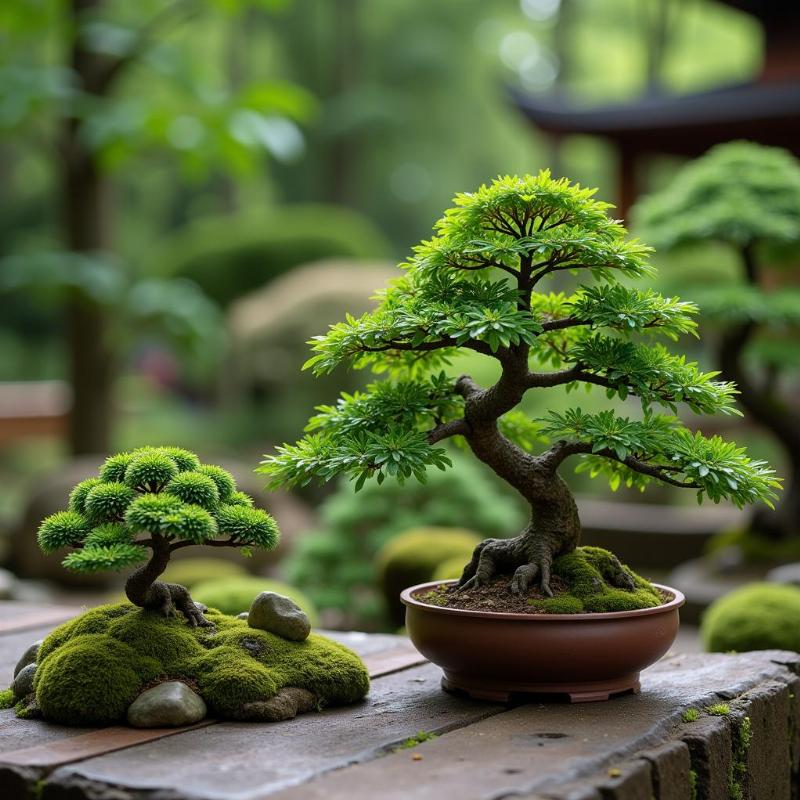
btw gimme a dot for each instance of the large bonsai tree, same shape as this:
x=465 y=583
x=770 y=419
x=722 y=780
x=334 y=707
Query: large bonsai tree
x=476 y=285
x=746 y=198
x=157 y=499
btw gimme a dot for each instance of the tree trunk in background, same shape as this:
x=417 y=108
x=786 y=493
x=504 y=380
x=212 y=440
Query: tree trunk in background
x=83 y=197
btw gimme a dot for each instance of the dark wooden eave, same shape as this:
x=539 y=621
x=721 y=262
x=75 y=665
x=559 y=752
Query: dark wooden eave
x=686 y=125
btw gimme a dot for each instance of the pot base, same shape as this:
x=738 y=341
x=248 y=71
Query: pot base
x=588 y=692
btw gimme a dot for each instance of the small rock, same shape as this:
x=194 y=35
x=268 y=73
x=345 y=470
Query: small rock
x=244 y=615
x=786 y=573
x=28 y=657
x=278 y=614
x=201 y=607
x=286 y=704
x=8 y=585
x=167 y=705
x=23 y=682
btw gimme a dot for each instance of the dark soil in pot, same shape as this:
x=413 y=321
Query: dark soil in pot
x=496 y=597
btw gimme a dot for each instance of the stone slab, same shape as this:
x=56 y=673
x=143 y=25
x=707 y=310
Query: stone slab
x=536 y=748
x=25 y=616
x=240 y=761
x=709 y=742
x=670 y=764
x=767 y=708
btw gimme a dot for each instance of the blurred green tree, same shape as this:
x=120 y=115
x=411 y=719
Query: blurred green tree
x=745 y=197
x=64 y=67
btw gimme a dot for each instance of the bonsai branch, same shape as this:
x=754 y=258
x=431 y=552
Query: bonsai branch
x=456 y=427
x=562 y=450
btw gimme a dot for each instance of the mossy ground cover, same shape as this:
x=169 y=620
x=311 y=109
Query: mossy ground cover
x=583 y=581
x=93 y=667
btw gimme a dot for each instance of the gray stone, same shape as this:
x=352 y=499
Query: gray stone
x=709 y=741
x=286 y=704
x=170 y=704
x=786 y=573
x=28 y=657
x=8 y=585
x=670 y=770
x=23 y=682
x=278 y=614
x=243 y=615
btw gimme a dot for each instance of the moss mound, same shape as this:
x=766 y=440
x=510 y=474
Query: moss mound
x=234 y=595
x=414 y=556
x=189 y=572
x=761 y=616
x=591 y=576
x=586 y=580
x=93 y=667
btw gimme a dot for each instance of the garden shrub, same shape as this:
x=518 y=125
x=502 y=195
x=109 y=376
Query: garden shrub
x=191 y=571
x=230 y=256
x=760 y=616
x=235 y=594
x=413 y=557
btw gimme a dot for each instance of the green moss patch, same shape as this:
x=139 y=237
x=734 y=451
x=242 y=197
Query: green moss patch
x=93 y=667
x=6 y=698
x=761 y=616
x=586 y=580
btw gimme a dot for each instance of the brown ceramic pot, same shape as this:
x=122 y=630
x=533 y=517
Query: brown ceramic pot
x=586 y=657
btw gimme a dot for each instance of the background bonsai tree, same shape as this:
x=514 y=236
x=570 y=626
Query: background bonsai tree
x=475 y=285
x=158 y=499
x=747 y=198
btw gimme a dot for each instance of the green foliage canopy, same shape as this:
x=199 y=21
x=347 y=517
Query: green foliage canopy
x=148 y=493
x=473 y=286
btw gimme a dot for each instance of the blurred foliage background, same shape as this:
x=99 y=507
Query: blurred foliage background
x=193 y=188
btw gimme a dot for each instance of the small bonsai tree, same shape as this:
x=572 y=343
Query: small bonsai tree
x=747 y=198
x=159 y=499
x=476 y=286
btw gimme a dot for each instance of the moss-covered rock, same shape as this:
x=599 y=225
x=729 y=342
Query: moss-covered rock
x=760 y=616
x=413 y=557
x=234 y=595
x=92 y=668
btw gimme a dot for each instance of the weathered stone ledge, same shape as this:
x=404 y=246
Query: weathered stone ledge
x=632 y=748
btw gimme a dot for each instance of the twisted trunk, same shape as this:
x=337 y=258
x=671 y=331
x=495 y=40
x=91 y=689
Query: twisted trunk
x=144 y=589
x=554 y=527
x=767 y=411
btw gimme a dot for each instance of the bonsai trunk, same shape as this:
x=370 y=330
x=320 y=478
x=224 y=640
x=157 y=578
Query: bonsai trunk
x=144 y=590
x=555 y=526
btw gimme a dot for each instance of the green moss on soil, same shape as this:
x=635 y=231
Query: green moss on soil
x=6 y=698
x=93 y=667
x=232 y=595
x=583 y=581
x=760 y=616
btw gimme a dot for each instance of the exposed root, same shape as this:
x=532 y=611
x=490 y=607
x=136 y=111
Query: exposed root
x=529 y=560
x=168 y=599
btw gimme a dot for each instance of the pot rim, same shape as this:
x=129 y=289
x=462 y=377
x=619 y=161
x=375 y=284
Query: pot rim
x=673 y=605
